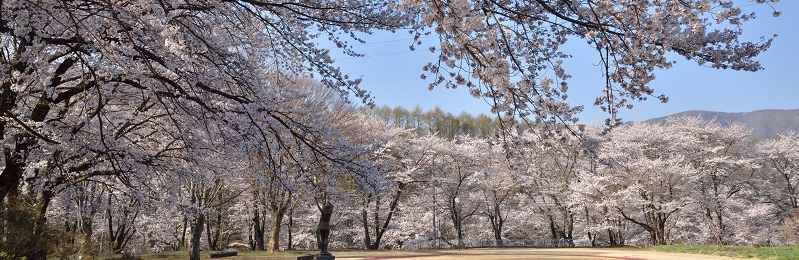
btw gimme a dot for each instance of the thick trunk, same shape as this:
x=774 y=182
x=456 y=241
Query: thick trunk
x=654 y=223
x=11 y=176
x=196 y=234
x=258 y=231
x=16 y=162
x=277 y=213
x=498 y=237
x=455 y=216
x=36 y=248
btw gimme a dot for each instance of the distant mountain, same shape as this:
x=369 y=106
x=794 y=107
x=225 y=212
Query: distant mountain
x=763 y=123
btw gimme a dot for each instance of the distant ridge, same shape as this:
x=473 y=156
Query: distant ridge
x=763 y=123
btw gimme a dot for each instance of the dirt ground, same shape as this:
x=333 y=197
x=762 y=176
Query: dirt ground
x=526 y=253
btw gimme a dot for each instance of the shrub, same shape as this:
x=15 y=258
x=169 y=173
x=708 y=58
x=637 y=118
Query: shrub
x=20 y=234
x=7 y=256
x=128 y=256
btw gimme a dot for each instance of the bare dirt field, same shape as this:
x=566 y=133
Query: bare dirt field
x=526 y=253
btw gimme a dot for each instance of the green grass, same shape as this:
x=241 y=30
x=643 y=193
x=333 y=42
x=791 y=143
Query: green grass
x=780 y=253
x=242 y=255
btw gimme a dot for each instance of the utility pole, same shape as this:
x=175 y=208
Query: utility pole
x=435 y=230
x=458 y=220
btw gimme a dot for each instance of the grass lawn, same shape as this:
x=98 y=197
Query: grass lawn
x=786 y=253
x=243 y=255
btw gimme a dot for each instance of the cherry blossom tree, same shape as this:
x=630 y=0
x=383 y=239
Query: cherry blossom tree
x=458 y=161
x=499 y=190
x=781 y=159
x=402 y=157
x=508 y=52
x=107 y=70
x=724 y=165
x=136 y=94
x=551 y=172
x=643 y=178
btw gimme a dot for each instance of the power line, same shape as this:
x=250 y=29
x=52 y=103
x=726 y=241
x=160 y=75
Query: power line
x=376 y=55
x=389 y=41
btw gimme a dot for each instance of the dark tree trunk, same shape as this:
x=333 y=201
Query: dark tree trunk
x=258 y=230
x=290 y=245
x=182 y=244
x=655 y=224
x=11 y=176
x=380 y=230
x=212 y=231
x=196 y=235
x=367 y=240
x=36 y=248
x=120 y=236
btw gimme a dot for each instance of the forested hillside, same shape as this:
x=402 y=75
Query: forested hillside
x=437 y=121
x=764 y=124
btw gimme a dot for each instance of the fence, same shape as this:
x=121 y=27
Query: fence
x=444 y=243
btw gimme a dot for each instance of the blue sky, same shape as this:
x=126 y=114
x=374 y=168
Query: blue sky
x=390 y=71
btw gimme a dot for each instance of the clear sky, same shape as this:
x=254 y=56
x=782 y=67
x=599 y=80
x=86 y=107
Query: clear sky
x=390 y=71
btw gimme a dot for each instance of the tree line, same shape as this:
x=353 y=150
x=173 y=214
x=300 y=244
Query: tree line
x=437 y=121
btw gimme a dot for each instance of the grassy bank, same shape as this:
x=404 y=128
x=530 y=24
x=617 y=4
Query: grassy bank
x=781 y=253
x=241 y=255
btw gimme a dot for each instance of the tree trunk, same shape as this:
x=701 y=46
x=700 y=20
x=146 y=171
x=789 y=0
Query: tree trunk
x=277 y=213
x=460 y=232
x=36 y=248
x=498 y=237
x=612 y=238
x=182 y=244
x=16 y=161
x=654 y=222
x=218 y=233
x=10 y=176
x=290 y=245
x=196 y=234
x=258 y=231
x=379 y=231
x=496 y=225
x=367 y=241
x=457 y=219
x=553 y=229
x=376 y=243
x=213 y=234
